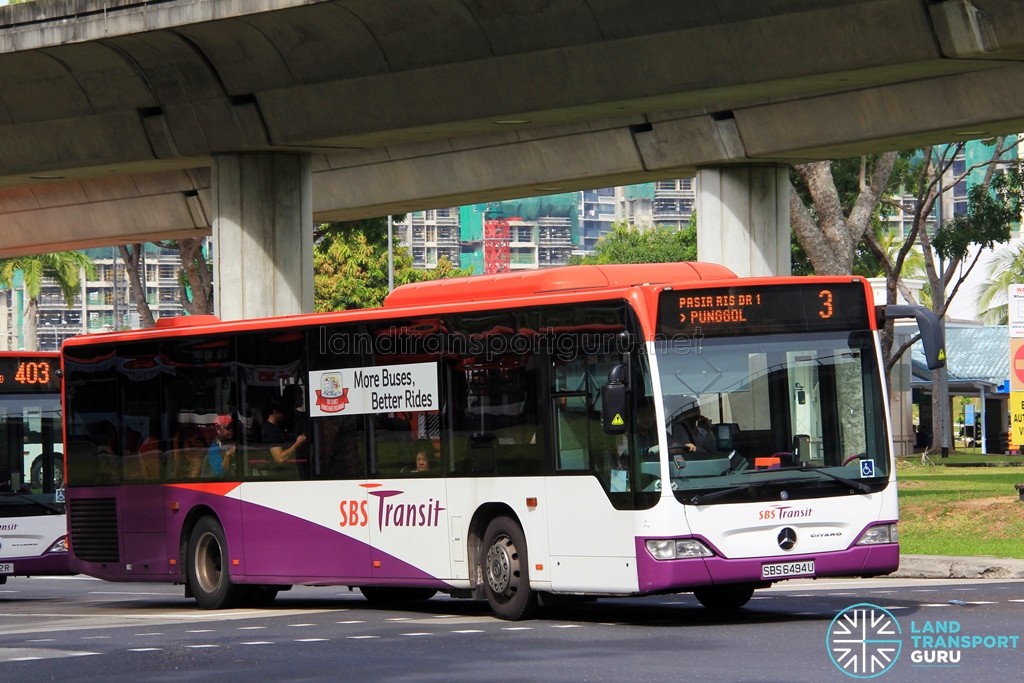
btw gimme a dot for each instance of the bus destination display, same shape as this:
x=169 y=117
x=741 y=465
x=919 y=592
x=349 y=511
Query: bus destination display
x=28 y=374
x=768 y=308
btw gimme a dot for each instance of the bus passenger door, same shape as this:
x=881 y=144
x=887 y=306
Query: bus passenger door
x=590 y=540
x=407 y=508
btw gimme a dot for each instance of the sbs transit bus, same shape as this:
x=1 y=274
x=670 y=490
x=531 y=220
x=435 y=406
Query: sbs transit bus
x=514 y=438
x=33 y=528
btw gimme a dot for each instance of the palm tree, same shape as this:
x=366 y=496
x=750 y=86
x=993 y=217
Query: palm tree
x=63 y=266
x=1005 y=268
x=890 y=242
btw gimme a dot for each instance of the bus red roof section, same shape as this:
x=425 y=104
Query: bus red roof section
x=554 y=285
x=187 y=321
x=550 y=281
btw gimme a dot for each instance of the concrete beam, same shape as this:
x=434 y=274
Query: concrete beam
x=111 y=110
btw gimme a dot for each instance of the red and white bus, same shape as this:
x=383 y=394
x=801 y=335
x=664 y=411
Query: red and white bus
x=33 y=528
x=512 y=437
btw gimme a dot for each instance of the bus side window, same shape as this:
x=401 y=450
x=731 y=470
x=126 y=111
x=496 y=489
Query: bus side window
x=340 y=442
x=572 y=433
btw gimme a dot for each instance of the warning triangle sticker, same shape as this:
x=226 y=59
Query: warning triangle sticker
x=617 y=420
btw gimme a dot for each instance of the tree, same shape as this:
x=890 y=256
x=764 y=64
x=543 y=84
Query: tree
x=350 y=265
x=131 y=256
x=195 y=277
x=195 y=282
x=1005 y=268
x=833 y=204
x=630 y=244
x=63 y=266
x=993 y=204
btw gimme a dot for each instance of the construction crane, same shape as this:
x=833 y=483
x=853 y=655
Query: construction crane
x=496 y=237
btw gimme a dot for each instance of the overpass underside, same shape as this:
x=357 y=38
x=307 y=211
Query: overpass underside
x=113 y=112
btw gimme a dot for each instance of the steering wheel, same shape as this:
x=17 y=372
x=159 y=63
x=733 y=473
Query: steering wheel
x=851 y=458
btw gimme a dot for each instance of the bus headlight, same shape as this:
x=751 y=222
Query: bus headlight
x=59 y=546
x=677 y=549
x=881 y=533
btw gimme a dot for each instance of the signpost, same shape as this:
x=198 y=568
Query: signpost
x=1015 y=315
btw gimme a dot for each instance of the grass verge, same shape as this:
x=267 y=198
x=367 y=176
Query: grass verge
x=957 y=510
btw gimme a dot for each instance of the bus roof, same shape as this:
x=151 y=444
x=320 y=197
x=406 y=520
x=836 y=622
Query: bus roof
x=551 y=280
x=489 y=290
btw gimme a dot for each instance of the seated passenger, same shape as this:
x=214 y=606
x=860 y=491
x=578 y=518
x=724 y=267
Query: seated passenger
x=218 y=457
x=422 y=462
x=426 y=457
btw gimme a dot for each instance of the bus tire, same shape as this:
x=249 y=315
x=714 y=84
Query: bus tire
x=383 y=594
x=724 y=598
x=207 y=567
x=506 y=570
x=36 y=473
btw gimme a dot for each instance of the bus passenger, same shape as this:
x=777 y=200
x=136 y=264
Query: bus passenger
x=422 y=462
x=218 y=457
x=426 y=457
x=188 y=456
x=282 y=445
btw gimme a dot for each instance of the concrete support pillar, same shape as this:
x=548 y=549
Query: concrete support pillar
x=743 y=218
x=262 y=235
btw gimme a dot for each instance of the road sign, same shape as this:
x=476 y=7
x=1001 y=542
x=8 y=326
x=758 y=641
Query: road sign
x=1016 y=418
x=1016 y=364
x=1015 y=310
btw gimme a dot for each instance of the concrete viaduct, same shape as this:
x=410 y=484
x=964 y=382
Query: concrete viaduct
x=132 y=120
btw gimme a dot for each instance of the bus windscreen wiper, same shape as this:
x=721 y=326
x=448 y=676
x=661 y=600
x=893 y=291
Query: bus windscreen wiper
x=805 y=467
x=715 y=495
x=852 y=483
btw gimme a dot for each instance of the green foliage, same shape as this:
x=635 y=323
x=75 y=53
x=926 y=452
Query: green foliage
x=1005 y=269
x=63 y=266
x=629 y=244
x=990 y=215
x=350 y=266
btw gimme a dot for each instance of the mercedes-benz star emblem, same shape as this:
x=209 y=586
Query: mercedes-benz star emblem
x=787 y=538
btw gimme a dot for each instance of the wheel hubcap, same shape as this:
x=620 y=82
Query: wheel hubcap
x=208 y=563
x=502 y=566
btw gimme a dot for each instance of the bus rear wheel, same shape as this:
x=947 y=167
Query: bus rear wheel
x=506 y=570
x=207 y=567
x=724 y=598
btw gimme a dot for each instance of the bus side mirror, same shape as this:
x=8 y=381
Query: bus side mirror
x=927 y=323
x=614 y=401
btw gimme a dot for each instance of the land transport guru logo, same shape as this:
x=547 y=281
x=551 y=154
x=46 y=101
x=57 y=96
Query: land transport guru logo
x=865 y=641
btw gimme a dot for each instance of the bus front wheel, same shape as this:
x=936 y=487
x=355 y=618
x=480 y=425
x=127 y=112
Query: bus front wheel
x=207 y=567
x=724 y=598
x=506 y=570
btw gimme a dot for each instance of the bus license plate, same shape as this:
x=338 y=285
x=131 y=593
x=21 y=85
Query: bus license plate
x=6 y=567
x=784 y=570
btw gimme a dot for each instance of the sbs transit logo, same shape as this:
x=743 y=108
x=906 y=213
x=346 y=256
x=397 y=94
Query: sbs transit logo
x=864 y=640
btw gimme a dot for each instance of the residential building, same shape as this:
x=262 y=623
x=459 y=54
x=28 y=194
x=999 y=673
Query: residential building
x=104 y=304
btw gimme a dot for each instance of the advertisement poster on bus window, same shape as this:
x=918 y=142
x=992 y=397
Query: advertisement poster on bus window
x=373 y=389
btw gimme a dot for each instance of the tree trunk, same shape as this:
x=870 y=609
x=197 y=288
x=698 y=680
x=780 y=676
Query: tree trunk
x=830 y=237
x=197 y=275
x=133 y=265
x=31 y=328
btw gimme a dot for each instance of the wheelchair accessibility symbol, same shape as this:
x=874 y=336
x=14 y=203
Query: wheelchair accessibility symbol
x=867 y=468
